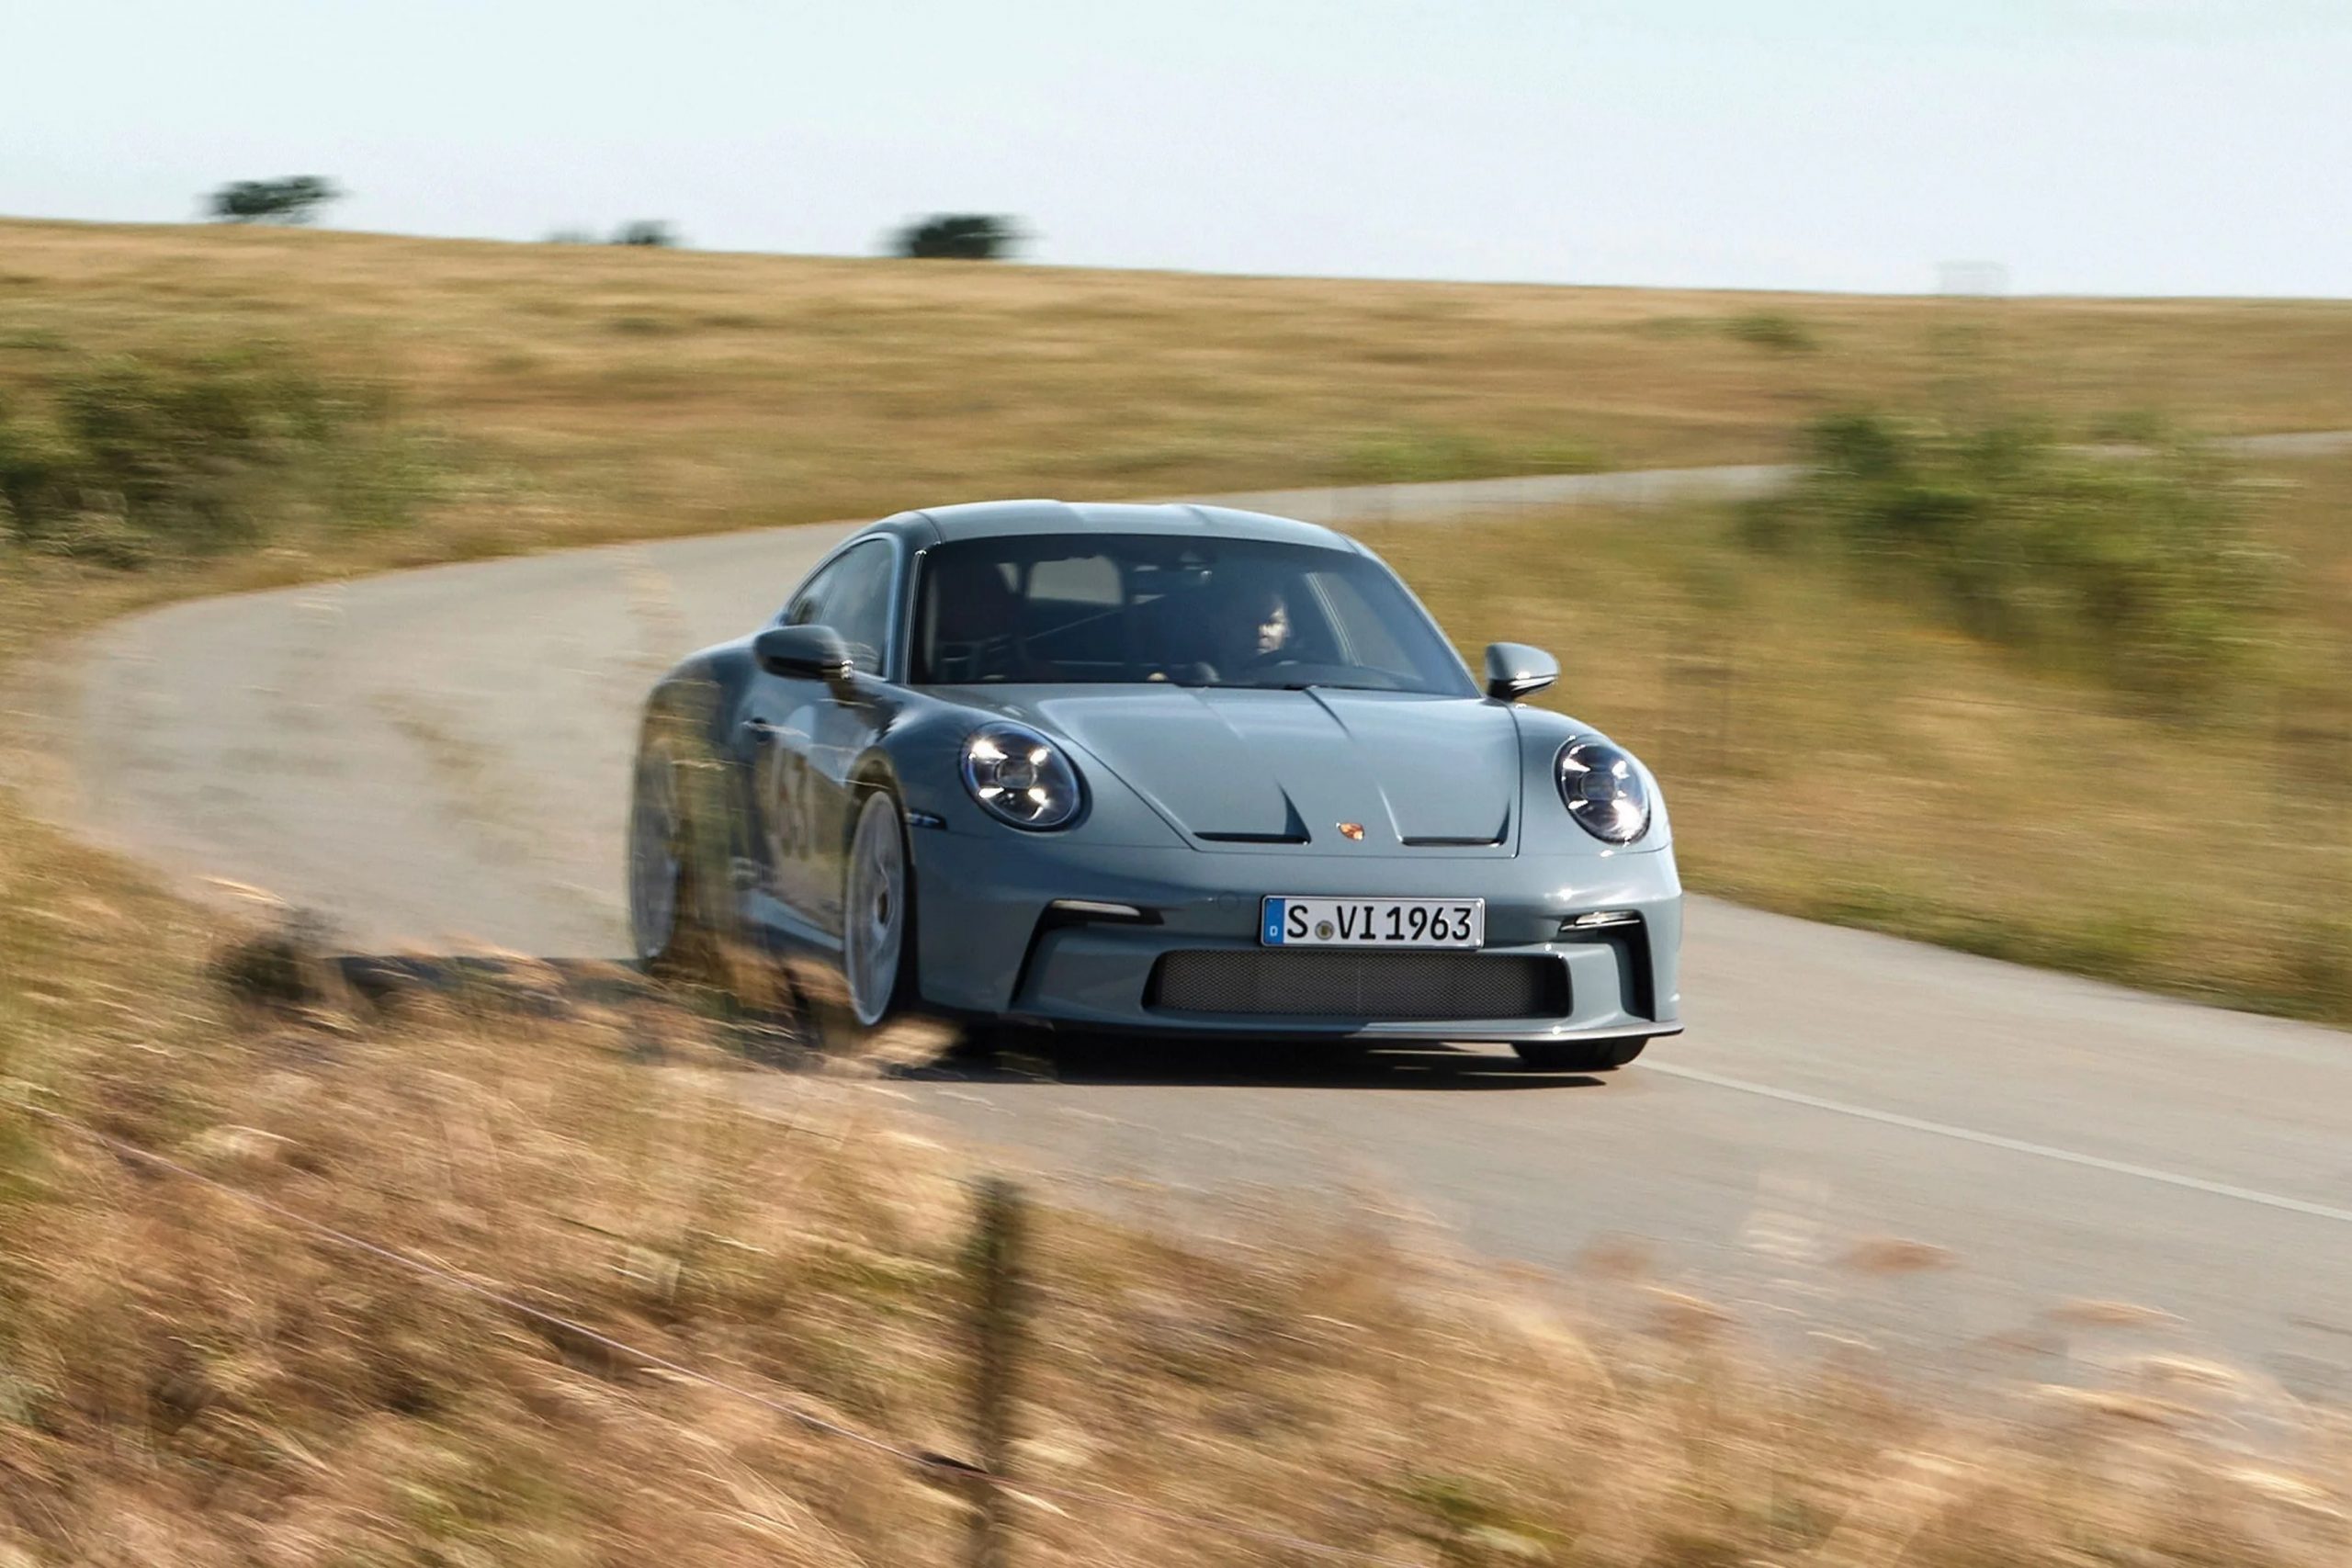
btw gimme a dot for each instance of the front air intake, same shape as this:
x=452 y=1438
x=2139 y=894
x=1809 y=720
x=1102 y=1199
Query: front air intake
x=1358 y=985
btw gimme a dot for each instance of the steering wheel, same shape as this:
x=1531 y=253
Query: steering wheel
x=1272 y=658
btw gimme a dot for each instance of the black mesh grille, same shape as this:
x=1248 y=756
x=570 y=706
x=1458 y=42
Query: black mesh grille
x=1355 y=984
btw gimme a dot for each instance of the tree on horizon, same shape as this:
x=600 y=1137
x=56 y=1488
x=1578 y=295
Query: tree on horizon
x=295 y=199
x=964 y=236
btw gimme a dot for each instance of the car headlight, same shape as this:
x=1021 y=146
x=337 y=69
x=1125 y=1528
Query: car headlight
x=1020 y=777
x=1604 y=791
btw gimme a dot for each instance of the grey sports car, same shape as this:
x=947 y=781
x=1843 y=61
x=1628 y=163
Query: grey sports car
x=1174 y=770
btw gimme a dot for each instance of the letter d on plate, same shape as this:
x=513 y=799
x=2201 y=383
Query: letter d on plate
x=1273 y=932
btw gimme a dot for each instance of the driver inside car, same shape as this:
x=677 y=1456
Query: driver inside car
x=1251 y=629
x=1273 y=618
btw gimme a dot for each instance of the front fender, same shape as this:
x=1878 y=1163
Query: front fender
x=923 y=754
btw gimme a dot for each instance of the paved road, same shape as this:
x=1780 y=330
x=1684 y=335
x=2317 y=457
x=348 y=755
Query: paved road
x=439 y=757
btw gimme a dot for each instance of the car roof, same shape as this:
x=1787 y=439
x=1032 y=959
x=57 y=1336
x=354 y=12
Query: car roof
x=997 y=519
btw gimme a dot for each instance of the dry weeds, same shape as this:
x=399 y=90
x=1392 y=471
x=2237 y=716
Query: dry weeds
x=599 y=393
x=1843 y=755
x=184 y=1380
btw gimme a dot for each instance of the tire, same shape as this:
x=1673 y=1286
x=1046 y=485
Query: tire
x=1578 y=1055
x=879 y=914
x=667 y=909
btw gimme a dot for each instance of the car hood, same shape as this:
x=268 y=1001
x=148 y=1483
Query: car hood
x=1239 y=769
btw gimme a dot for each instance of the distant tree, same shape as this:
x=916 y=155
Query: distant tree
x=296 y=199
x=646 y=232
x=967 y=236
x=570 y=237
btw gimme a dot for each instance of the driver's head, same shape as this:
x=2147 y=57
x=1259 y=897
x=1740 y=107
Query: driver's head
x=1251 y=622
x=1270 y=618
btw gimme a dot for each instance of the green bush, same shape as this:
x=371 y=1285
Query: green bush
x=2139 y=569
x=296 y=199
x=1775 y=329
x=128 y=459
x=962 y=236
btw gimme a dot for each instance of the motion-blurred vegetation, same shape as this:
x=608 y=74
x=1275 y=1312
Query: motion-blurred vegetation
x=1423 y=456
x=597 y=392
x=295 y=199
x=1933 y=583
x=1839 y=747
x=124 y=459
x=1775 y=329
x=187 y=1379
x=183 y=1380
x=650 y=233
x=2142 y=572
x=957 y=236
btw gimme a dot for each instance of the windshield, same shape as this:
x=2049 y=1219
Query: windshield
x=1190 y=610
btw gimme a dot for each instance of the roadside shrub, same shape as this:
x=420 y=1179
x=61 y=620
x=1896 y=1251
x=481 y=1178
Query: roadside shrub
x=1775 y=329
x=284 y=965
x=131 y=458
x=2139 y=570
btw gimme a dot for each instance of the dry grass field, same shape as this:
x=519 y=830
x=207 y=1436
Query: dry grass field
x=186 y=1381
x=1847 y=755
x=582 y=392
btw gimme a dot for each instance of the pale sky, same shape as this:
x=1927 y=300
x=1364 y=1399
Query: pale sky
x=2088 y=146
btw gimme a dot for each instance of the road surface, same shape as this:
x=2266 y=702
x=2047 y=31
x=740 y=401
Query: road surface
x=440 y=757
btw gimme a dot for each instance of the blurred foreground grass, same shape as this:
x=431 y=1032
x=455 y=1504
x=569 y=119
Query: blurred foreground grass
x=1837 y=746
x=186 y=1381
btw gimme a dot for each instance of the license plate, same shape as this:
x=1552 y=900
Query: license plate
x=1372 y=922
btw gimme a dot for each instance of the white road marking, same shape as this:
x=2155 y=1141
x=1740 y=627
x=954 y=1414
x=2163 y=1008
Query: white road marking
x=2015 y=1145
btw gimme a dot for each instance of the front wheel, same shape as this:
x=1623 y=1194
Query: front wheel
x=878 y=914
x=1578 y=1055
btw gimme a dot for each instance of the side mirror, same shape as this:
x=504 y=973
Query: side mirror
x=1516 y=670
x=806 y=653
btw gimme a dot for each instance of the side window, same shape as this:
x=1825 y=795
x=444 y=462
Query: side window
x=853 y=596
x=806 y=605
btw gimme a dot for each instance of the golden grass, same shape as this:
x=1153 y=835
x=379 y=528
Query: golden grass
x=591 y=392
x=186 y=1381
x=1835 y=753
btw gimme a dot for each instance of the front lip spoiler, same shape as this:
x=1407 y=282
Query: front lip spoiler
x=1397 y=1033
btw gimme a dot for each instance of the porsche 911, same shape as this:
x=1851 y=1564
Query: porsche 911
x=1155 y=772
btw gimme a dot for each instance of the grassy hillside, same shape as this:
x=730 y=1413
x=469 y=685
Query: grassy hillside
x=591 y=391
x=436 y=399
x=1838 y=748
x=182 y=1379
x=483 y=398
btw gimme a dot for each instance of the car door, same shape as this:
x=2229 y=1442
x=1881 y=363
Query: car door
x=802 y=741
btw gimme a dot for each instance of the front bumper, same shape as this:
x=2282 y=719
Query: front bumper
x=990 y=944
